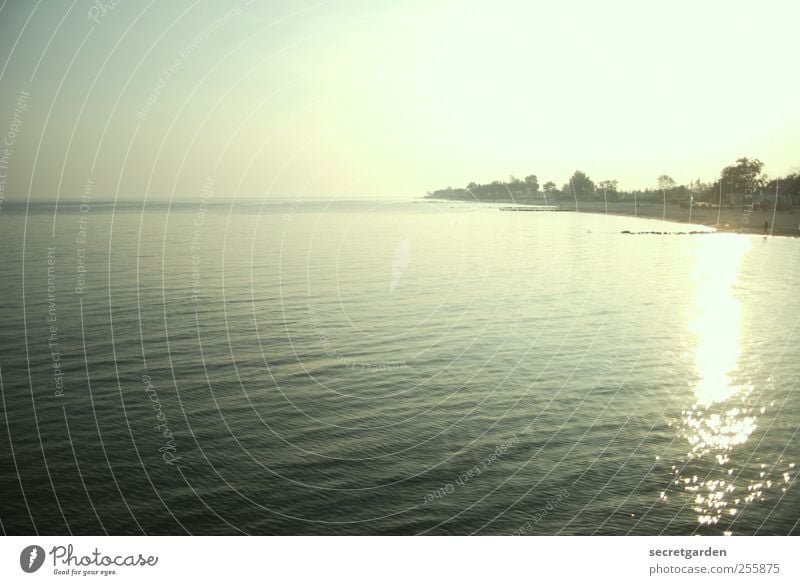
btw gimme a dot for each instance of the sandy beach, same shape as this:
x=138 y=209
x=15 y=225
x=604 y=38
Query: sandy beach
x=728 y=219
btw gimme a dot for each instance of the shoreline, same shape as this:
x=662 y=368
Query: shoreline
x=731 y=219
x=725 y=220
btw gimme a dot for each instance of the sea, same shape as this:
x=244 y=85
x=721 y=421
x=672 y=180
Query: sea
x=298 y=366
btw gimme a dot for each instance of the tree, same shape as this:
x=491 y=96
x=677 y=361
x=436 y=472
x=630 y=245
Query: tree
x=609 y=186
x=581 y=185
x=549 y=187
x=666 y=183
x=609 y=189
x=533 y=183
x=744 y=177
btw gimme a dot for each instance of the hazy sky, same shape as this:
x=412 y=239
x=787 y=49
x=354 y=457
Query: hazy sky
x=389 y=98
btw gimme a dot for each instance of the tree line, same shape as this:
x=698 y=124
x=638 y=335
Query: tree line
x=742 y=182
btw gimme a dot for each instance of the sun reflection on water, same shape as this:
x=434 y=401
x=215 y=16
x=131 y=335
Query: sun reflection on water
x=723 y=416
x=717 y=317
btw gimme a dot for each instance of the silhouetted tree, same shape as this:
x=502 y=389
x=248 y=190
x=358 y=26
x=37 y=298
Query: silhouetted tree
x=609 y=186
x=533 y=183
x=744 y=176
x=581 y=185
x=666 y=183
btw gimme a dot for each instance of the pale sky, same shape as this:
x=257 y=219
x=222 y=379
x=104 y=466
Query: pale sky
x=356 y=98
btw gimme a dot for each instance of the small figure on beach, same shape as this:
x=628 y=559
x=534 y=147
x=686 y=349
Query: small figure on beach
x=766 y=227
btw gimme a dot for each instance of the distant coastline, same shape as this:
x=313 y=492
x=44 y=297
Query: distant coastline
x=730 y=219
x=742 y=200
x=735 y=219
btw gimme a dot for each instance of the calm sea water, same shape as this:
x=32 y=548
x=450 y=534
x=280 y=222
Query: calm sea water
x=372 y=368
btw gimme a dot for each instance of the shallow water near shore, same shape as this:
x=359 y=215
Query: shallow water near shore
x=394 y=368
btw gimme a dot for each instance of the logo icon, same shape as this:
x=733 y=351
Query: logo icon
x=31 y=558
x=400 y=261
